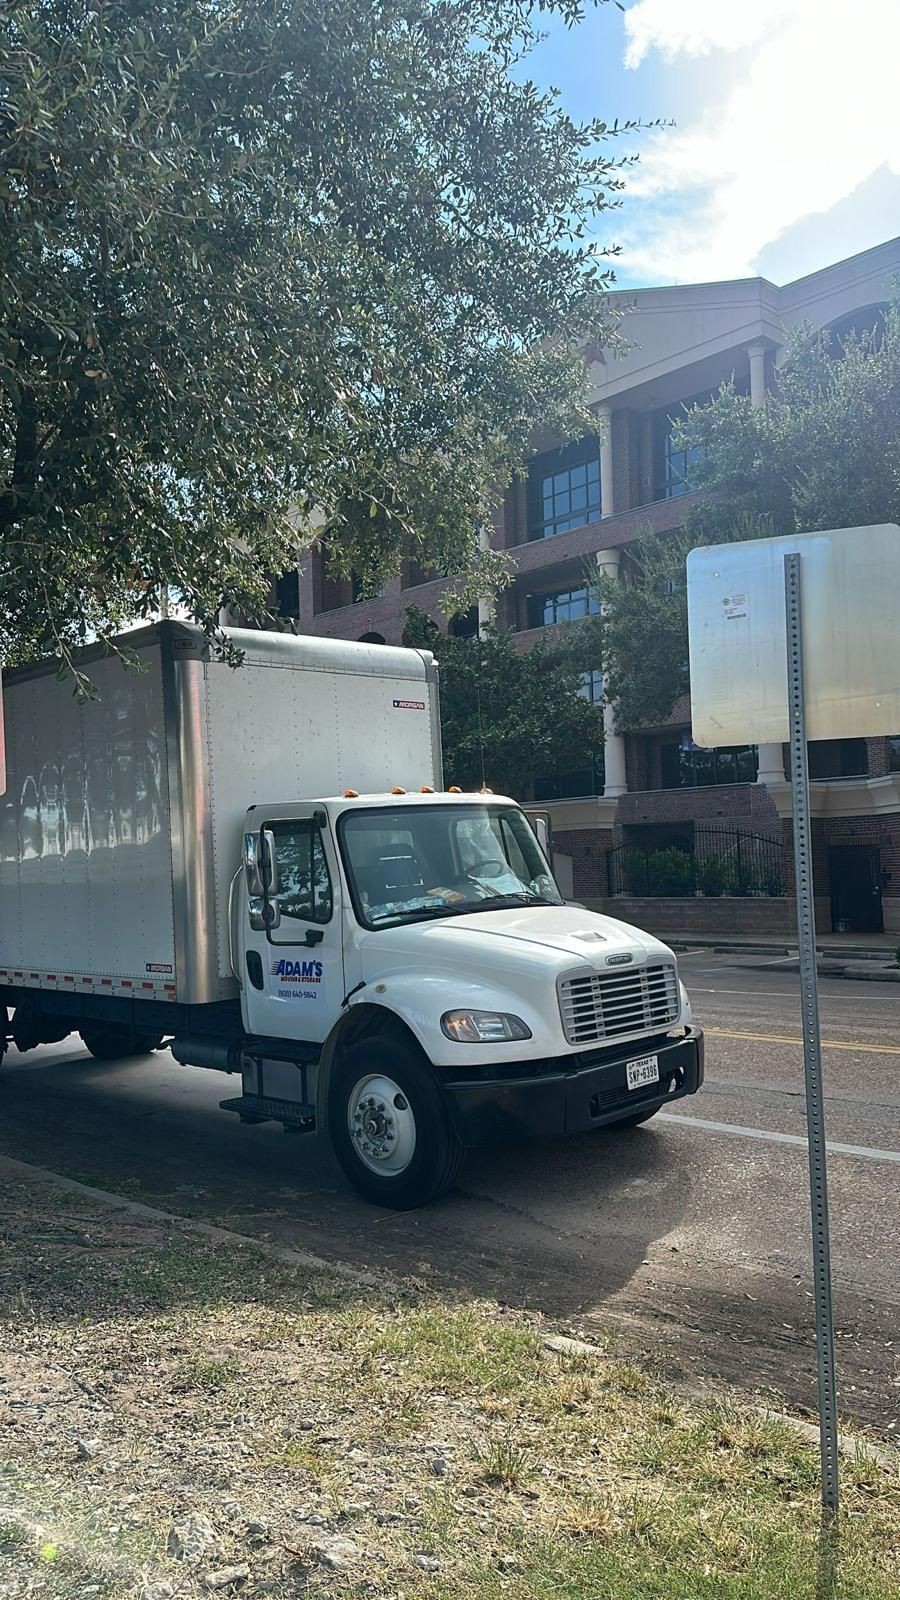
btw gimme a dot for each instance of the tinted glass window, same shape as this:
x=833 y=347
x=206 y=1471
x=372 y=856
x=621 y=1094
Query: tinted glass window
x=304 y=882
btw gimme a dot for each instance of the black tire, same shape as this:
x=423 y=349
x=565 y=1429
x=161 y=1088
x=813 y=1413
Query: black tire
x=111 y=1044
x=438 y=1155
x=634 y=1121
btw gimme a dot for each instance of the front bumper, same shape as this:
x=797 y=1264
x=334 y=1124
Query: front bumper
x=571 y=1094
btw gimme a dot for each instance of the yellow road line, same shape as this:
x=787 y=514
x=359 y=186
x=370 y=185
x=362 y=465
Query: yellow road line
x=827 y=1044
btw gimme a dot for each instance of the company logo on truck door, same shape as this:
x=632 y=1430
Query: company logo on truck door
x=300 y=971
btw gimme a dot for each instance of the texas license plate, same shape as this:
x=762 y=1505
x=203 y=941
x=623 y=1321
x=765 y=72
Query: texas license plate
x=643 y=1071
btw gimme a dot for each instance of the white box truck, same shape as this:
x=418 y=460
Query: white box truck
x=260 y=865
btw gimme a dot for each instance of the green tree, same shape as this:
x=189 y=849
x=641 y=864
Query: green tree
x=506 y=714
x=267 y=261
x=823 y=453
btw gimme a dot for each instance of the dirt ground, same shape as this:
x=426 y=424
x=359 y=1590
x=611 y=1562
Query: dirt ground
x=186 y=1417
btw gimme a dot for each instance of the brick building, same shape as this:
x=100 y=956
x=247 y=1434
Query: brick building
x=585 y=500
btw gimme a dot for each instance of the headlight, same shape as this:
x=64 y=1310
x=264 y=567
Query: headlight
x=483 y=1027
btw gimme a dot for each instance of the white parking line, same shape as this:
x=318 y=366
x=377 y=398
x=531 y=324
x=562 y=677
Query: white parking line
x=771 y=1137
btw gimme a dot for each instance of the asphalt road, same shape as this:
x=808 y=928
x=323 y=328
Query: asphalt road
x=685 y=1241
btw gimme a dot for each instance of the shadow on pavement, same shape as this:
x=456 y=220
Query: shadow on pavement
x=553 y=1226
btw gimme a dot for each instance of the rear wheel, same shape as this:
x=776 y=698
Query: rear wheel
x=390 y=1126
x=110 y=1044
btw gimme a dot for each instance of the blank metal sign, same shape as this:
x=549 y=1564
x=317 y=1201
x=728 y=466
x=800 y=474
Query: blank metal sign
x=850 y=582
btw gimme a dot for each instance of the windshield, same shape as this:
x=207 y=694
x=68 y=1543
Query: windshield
x=411 y=863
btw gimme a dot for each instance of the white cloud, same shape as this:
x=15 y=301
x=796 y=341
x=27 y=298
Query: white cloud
x=807 y=109
x=695 y=27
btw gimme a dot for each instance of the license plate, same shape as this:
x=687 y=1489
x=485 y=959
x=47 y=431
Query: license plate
x=644 y=1070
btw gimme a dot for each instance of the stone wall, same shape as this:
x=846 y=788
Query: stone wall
x=720 y=914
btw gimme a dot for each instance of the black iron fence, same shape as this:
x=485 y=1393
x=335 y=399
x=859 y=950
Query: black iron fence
x=720 y=861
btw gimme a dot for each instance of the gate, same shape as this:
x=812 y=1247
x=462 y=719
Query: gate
x=721 y=861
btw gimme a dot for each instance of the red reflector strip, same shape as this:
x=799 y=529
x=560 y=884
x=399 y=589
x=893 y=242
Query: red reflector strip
x=169 y=988
x=148 y=985
x=87 y=980
x=107 y=982
x=68 y=978
x=51 y=977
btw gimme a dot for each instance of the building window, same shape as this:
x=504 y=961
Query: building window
x=591 y=686
x=894 y=753
x=683 y=765
x=564 y=489
x=464 y=625
x=358 y=590
x=671 y=467
x=287 y=594
x=563 y=605
x=578 y=785
x=838 y=758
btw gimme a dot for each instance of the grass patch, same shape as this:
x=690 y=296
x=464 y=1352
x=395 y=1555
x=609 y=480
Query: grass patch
x=338 y=1443
x=505 y=1462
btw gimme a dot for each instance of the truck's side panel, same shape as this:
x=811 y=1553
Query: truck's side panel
x=120 y=830
x=85 y=859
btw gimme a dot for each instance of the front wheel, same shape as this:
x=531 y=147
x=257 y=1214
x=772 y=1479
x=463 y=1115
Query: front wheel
x=390 y=1127
x=111 y=1044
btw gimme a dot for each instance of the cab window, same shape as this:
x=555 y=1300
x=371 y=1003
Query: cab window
x=304 y=882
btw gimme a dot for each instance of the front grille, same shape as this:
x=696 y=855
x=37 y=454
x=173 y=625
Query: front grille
x=608 y=1005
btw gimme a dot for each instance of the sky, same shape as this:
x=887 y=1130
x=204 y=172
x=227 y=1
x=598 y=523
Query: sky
x=783 y=153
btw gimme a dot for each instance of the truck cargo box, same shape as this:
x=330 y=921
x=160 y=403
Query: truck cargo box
x=121 y=823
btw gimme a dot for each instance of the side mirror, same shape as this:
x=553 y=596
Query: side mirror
x=251 y=865
x=540 y=827
x=268 y=865
x=264 y=915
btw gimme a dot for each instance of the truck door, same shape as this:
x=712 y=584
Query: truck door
x=293 y=977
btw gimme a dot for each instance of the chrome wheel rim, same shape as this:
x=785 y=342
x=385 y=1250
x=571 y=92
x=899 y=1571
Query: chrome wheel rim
x=381 y=1125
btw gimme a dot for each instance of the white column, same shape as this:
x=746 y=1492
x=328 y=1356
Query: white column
x=607 y=497
x=757 y=355
x=486 y=605
x=615 y=780
x=771 y=764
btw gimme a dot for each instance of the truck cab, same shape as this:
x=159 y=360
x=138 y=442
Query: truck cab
x=415 y=953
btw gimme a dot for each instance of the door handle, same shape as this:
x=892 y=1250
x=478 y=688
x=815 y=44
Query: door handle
x=314 y=936
x=231 y=961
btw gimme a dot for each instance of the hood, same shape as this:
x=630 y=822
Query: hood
x=530 y=935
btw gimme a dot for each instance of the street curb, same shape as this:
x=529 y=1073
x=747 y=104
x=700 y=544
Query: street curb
x=824 y=952
x=880 y=975
x=209 y=1230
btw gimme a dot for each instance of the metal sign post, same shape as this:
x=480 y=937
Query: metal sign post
x=838 y=677
x=812 y=1050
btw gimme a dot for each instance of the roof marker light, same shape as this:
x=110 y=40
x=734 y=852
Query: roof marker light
x=397 y=790
x=351 y=794
x=426 y=789
x=454 y=789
